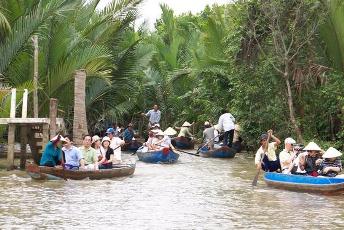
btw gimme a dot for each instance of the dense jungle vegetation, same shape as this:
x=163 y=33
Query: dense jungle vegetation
x=273 y=63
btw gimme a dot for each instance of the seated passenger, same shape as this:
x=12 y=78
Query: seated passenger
x=266 y=158
x=52 y=154
x=128 y=133
x=72 y=154
x=310 y=160
x=158 y=141
x=208 y=135
x=108 y=154
x=89 y=159
x=96 y=144
x=287 y=155
x=185 y=131
x=169 y=133
x=331 y=164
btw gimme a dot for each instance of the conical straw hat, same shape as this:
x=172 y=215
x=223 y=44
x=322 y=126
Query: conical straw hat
x=331 y=153
x=186 y=124
x=170 y=132
x=312 y=146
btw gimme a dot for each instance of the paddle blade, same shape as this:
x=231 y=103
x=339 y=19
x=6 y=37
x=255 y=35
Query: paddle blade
x=255 y=179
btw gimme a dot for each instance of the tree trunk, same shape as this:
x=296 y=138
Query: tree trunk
x=35 y=77
x=292 y=111
x=80 y=121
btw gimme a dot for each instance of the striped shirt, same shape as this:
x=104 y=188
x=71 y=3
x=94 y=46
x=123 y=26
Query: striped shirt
x=326 y=163
x=154 y=116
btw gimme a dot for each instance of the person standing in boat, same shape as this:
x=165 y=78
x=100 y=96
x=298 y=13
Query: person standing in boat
x=208 y=135
x=72 y=154
x=226 y=124
x=116 y=144
x=185 y=131
x=287 y=155
x=331 y=165
x=266 y=158
x=52 y=154
x=89 y=159
x=154 y=116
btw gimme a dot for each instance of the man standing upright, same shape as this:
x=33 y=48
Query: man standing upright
x=226 y=124
x=154 y=116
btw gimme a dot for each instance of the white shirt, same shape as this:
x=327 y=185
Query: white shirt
x=115 y=143
x=226 y=122
x=271 y=154
x=284 y=156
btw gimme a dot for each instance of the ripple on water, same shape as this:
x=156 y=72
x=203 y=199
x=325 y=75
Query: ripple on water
x=196 y=193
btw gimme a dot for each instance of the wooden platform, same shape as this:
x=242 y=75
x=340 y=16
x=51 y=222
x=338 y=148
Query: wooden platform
x=29 y=121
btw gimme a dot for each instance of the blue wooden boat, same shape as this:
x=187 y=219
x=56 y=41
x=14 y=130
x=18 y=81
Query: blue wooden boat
x=166 y=156
x=304 y=183
x=182 y=143
x=221 y=152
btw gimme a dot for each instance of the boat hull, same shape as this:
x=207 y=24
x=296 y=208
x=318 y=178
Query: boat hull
x=304 y=183
x=222 y=152
x=158 y=156
x=51 y=173
x=131 y=146
x=182 y=143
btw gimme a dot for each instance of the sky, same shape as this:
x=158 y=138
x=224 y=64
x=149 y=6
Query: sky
x=150 y=9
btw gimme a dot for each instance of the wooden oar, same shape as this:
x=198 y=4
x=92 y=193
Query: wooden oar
x=255 y=179
x=207 y=143
x=194 y=154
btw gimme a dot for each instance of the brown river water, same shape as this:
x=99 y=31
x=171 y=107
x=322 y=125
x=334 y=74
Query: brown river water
x=195 y=193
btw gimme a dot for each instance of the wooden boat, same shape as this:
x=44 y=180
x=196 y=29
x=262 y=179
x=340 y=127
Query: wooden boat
x=221 y=152
x=304 y=183
x=166 y=156
x=132 y=146
x=50 y=173
x=182 y=143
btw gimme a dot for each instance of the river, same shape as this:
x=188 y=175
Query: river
x=195 y=193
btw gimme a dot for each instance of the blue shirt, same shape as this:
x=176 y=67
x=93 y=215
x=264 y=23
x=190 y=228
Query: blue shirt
x=72 y=156
x=128 y=135
x=154 y=116
x=51 y=155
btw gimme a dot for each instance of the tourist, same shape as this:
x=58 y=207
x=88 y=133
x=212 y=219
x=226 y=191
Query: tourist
x=287 y=155
x=169 y=133
x=96 y=144
x=266 y=158
x=149 y=142
x=72 y=154
x=52 y=154
x=154 y=116
x=208 y=135
x=158 y=141
x=226 y=124
x=331 y=165
x=128 y=133
x=310 y=161
x=116 y=144
x=108 y=154
x=89 y=155
x=185 y=131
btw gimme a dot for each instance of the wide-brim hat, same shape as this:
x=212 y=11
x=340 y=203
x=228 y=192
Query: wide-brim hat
x=156 y=125
x=312 y=147
x=331 y=153
x=186 y=124
x=170 y=132
x=160 y=133
x=206 y=123
x=58 y=136
x=95 y=138
x=106 y=139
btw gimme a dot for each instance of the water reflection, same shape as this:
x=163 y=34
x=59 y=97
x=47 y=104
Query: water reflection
x=196 y=193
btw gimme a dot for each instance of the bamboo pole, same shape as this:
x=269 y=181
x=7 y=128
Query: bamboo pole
x=35 y=76
x=52 y=116
x=24 y=107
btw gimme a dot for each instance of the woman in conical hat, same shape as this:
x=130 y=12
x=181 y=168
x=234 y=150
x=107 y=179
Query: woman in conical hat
x=310 y=161
x=185 y=131
x=331 y=164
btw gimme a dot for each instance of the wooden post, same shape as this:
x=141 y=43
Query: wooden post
x=24 y=107
x=23 y=144
x=13 y=103
x=35 y=76
x=45 y=132
x=80 y=120
x=52 y=116
x=10 y=153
